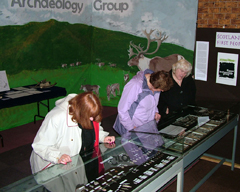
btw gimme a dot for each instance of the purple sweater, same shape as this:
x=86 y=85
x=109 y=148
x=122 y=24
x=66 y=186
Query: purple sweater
x=138 y=104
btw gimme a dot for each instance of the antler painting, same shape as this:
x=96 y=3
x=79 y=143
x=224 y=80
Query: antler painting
x=157 y=63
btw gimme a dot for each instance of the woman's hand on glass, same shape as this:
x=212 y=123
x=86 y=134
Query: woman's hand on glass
x=109 y=139
x=64 y=159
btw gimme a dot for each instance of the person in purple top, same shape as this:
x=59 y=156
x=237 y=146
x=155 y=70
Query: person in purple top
x=138 y=103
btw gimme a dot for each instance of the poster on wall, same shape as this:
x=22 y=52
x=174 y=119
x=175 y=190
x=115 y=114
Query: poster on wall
x=227 y=65
x=201 y=60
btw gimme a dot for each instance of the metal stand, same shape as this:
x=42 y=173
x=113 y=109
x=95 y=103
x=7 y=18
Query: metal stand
x=38 y=109
x=220 y=163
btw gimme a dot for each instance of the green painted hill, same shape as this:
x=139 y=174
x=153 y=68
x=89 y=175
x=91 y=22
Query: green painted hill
x=47 y=45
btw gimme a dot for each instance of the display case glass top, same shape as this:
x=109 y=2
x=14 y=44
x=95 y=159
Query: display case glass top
x=197 y=123
x=137 y=158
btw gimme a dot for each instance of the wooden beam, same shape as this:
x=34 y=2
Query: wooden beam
x=218 y=160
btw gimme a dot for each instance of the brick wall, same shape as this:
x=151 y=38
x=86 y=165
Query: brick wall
x=218 y=14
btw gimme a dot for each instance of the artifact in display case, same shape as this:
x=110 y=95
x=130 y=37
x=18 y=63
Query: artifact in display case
x=147 y=161
x=179 y=147
x=197 y=136
x=189 y=141
x=195 y=130
x=200 y=130
x=201 y=111
x=216 y=123
x=187 y=122
x=208 y=126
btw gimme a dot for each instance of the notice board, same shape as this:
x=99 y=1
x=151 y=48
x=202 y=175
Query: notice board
x=210 y=90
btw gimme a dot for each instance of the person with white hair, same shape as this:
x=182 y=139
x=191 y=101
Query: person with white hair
x=183 y=91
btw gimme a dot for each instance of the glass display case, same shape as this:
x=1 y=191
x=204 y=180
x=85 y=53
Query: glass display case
x=196 y=123
x=129 y=164
x=145 y=158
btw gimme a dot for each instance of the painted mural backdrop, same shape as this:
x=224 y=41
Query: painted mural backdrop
x=87 y=44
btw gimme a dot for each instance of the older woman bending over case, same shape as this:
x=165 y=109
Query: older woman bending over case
x=183 y=91
x=138 y=103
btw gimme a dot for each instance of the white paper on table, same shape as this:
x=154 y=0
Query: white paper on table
x=172 y=130
x=22 y=94
x=203 y=120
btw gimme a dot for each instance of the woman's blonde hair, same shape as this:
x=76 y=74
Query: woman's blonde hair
x=83 y=106
x=184 y=65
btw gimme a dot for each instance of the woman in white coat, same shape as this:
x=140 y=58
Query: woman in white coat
x=71 y=127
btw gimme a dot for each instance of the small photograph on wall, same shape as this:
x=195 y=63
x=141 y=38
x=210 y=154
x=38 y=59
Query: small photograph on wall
x=227 y=69
x=4 y=86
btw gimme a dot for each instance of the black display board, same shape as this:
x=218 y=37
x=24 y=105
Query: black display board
x=210 y=90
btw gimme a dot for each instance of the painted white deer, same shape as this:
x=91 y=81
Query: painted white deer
x=88 y=87
x=111 y=90
x=156 y=63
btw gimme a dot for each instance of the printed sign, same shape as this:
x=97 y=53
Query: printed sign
x=228 y=40
x=227 y=69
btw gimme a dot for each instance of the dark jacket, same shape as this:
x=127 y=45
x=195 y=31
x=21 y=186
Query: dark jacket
x=177 y=97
